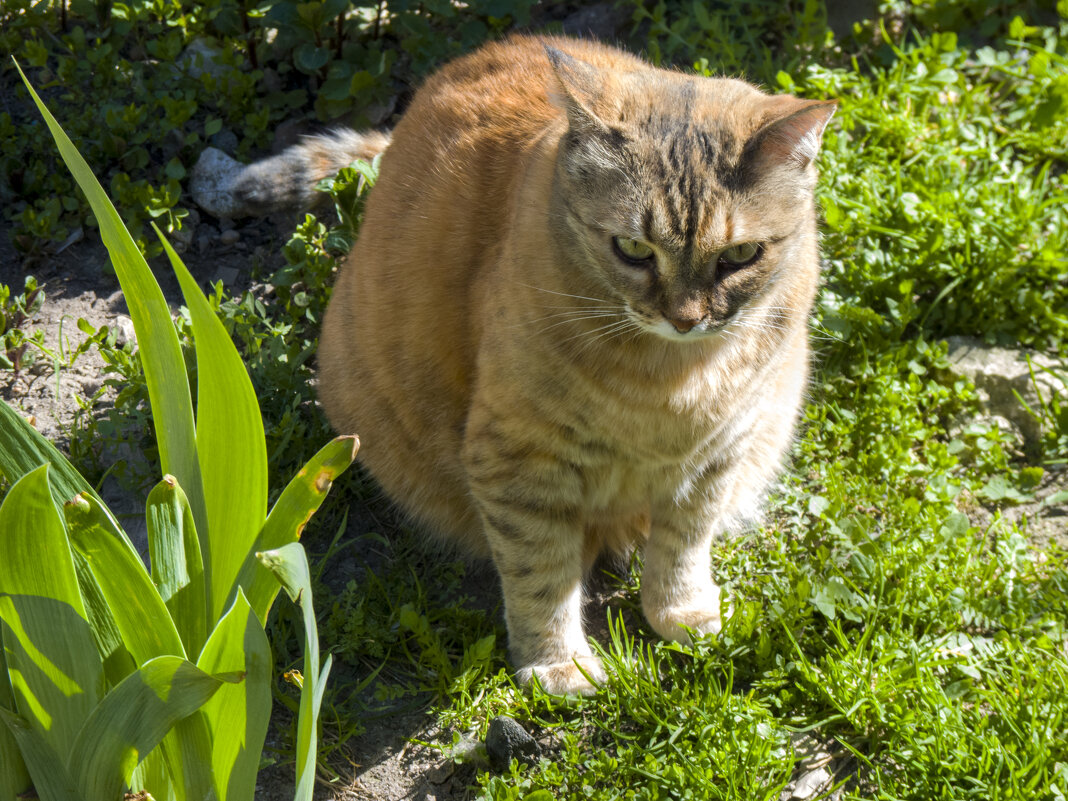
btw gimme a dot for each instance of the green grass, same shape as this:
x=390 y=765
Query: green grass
x=887 y=607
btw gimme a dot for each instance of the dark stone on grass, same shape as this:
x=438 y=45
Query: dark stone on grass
x=507 y=740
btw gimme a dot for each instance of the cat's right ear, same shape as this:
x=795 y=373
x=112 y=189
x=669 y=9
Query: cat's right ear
x=579 y=85
x=794 y=138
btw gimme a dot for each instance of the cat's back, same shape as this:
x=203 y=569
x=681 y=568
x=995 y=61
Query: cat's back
x=499 y=95
x=400 y=340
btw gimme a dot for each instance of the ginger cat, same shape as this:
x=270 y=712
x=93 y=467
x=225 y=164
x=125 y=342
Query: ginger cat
x=575 y=320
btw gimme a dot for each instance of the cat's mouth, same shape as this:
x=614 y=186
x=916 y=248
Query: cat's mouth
x=678 y=331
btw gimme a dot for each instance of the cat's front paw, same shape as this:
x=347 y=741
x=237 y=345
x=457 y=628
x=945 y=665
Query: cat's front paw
x=580 y=676
x=675 y=623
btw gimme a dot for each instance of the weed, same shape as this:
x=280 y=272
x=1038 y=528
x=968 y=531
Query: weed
x=15 y=312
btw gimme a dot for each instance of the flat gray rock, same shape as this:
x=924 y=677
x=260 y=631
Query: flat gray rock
x=1000 y=373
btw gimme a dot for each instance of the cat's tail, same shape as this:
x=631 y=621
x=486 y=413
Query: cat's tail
x=224 y=188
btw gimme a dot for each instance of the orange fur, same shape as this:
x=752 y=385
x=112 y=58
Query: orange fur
x=525 y=392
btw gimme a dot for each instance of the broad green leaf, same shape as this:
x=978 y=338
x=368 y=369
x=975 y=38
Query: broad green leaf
x=177 y=567
x=161 y=355
x=132 y=719
x=152 y=775
x=182 y=763
x=230 y=443
x=238 y=714
x=118 y=664
x=53 y=665
x=289 y=564
x=291 y=512
x=22 y=449
x=51 y=781
x=139 y=613
x=14 y=779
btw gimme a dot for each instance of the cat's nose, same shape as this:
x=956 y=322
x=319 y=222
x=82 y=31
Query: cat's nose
x=683 y=324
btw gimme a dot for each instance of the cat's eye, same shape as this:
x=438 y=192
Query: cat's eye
x=740 y=255
x=632 y=251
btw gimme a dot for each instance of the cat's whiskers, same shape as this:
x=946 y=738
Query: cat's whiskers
x=576 y=319
x=607 y=336
x=597 y=334
x=563 y=294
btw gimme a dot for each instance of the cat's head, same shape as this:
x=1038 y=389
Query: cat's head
x=687 y=199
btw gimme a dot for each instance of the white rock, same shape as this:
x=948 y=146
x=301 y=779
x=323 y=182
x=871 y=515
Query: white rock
x=211 y=181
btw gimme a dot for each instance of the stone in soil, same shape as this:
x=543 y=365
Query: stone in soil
x=507 y=740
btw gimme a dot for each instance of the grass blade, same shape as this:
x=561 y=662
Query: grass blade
x=55 y=670
x=239 y=713
x=230 y=442
x=22 y=449
x=118 y=664
x=14 y=780
x=161 y=355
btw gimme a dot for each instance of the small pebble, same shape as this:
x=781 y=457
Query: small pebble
x=229 y=237
x=124 y=331
x=811 y=783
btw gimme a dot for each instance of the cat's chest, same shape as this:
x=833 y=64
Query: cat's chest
x=639 y=438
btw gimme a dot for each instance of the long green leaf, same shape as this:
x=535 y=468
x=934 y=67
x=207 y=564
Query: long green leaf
x=53 y=665
x=177 y=565
x=290 y=513
x=139 y=613
x=238 y=714
x=186 y=751
x=118 y=664
x=14 y=779
x=230 y=442
x=22 y=449
x=289 y=564
x=132 y=720
x=51 y=781
x=161 y=355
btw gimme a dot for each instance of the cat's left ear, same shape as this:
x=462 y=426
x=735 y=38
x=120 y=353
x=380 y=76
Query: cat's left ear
x=793 y=138
x=580 y=85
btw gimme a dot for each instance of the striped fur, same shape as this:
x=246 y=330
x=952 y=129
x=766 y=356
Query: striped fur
x=287 y=181
x=525 y=391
